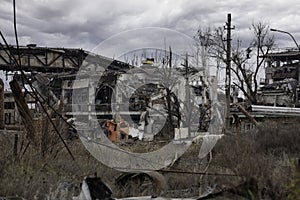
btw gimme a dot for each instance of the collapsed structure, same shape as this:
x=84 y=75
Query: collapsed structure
x=50 y=72
x=90 y=85
x=106 y=88
x=282 y=80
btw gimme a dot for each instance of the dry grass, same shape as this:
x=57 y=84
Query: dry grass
x=264 y=155
x=36 y=175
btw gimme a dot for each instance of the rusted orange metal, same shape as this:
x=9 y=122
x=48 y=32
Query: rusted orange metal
x=117 y=131
x=111 y=126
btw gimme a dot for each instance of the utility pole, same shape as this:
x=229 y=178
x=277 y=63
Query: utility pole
x=188 y=98
x=187 y=94
x=228 y=69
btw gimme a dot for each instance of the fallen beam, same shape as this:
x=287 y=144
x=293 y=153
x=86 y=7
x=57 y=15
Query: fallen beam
x=23 y=110
x=243 y=110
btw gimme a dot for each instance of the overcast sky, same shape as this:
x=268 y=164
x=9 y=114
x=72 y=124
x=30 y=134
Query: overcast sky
x=85 y=24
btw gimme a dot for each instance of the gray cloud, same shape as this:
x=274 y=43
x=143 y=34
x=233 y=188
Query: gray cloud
x=84 y=24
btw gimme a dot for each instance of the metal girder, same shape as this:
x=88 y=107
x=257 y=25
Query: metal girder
x=41 y=59
x=57 y=60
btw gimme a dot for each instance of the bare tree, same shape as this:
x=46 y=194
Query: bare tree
x=168 y=80
x=246 y=73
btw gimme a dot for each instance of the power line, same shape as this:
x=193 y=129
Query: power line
x=18 y=64
x=200 y=173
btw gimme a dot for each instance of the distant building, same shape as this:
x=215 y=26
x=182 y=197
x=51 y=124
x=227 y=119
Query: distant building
x=282 y=80
x=12 y=118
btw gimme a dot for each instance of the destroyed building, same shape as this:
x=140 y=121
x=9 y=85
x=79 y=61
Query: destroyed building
x=97 y=90
x=87 y=84
x=52 y=72
x=282 y=80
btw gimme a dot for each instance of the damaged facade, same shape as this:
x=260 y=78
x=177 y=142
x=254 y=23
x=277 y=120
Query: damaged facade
x=51 y=71
x=278 y=96
x=57 y=75
x=282 y=80
x=97 y=90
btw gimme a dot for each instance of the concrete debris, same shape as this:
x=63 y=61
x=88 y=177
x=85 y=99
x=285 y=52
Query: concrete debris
x=94 y=188
x=281 y=93
x=155 y=181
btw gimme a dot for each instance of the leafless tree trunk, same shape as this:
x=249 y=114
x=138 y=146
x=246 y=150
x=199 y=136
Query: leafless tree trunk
x=245 y=73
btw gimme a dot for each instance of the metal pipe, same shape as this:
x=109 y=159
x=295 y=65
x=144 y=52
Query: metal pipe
x=273 y=109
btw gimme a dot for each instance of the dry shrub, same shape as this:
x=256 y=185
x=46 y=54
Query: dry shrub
x=263 y=155
x=294 y=187
x=276 y=138
x=33 y=176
